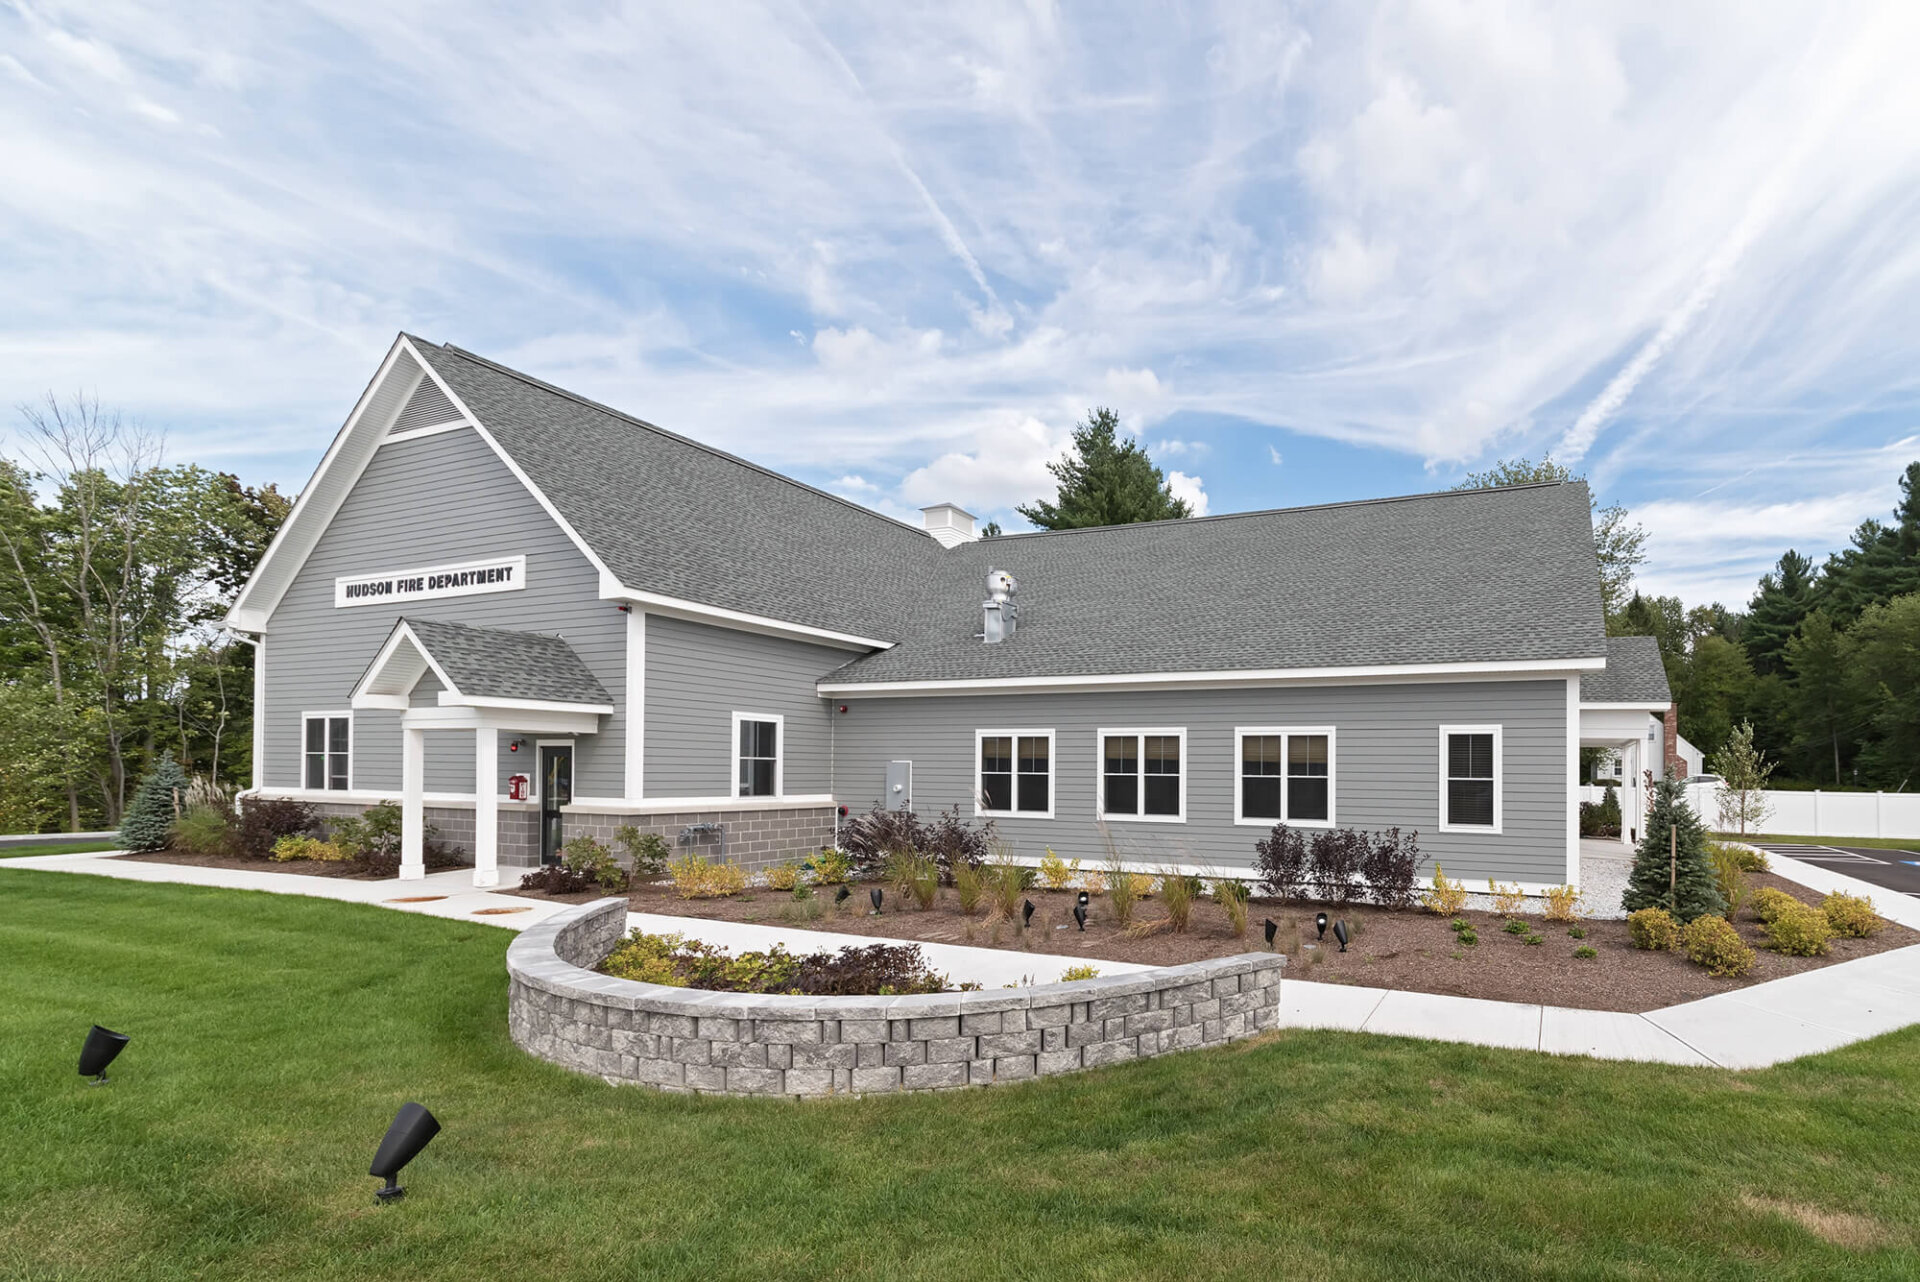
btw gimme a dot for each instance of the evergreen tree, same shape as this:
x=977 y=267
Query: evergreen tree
x=1105 y=481
x=1883 y=665
x=1713 y=690
x=1822 y=702
x=1884 y=561
x=1671 y=869
x=149 y=820
x=1775 y=613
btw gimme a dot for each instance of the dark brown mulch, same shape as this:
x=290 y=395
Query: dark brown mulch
x=1408 y=950
x=299 y=867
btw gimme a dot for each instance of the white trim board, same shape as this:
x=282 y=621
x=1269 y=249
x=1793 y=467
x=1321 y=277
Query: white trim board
x=1401 y=673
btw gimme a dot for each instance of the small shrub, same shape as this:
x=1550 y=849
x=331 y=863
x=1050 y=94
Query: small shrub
x=915 y=877
x=301 y=847
x=784 y=876
x=804 y=906
x=1074 y=974
x=558 y=879
x=870 y=838
x=1123 y=889
x=371 y=836
x=1094 y=882
x=1507 y=900
x=647 y=852
x=1232 y=897
x=969 y=886
x=1585 y=952
x=157 y=806
x=697 y=878
x=1339 y=855
x=1534 y=939
x=1801 y=931
x=1563 y=903
x=1468 y=937
x=205 y=829
x=1715 y=944
x=1577 y=932
x=1515 y=926
x=1446 y=898
x=1056 y=873
x=831 y=867
x=1389 y=867
x=1752 y=858
x=1729 y=870
x=1851 y=916
x=1653 y=929
x=880 y=969
x=265 y=820
x=1769 y=902
x=1281 y=860
x=591 y=859
x=1007 y=884
x=1177 y=893
x=1459 y=924
x=952 y=842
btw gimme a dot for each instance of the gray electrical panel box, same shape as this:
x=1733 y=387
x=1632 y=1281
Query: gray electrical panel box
x=899 y=785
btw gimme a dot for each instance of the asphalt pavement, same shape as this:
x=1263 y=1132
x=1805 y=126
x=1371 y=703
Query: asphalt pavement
x=1897 y=870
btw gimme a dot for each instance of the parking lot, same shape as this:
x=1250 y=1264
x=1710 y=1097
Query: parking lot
x=1897 y=870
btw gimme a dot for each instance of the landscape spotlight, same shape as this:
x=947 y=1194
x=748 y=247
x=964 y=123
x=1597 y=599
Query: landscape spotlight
x=1321 y=922
x=97 y=1052
x=412 y=1127
x=876 y=897
x=1026 y=914
x=1340 y=933
x=1273 y=928
x=1083 y=899
x=1080 y=915
x=846 y=893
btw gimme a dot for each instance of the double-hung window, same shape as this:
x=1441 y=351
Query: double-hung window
x=328 y=751
x=1014 y=773
x=756 y=755
x=1286 y=776
x=1143 y=775
x=1470 y=778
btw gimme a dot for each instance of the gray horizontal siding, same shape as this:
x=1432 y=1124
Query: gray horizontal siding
x=1387 y=762
x=435 y=498
x=699 y=676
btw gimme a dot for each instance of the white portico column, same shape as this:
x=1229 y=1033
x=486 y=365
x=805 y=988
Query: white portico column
x=413 y=804
x=486 y=807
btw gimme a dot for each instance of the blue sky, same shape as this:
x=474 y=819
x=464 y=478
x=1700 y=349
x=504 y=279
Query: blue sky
x=1308 y=252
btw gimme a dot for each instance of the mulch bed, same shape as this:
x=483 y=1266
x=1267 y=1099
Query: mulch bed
x=1411 y=950
x=299 y=867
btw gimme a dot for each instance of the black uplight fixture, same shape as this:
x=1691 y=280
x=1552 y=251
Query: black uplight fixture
x=876 y=897
x=845 y=893
x=98 y=1051
x=1340 y=933
x=1273 y=928
x=1026 y=914
x=1080 y=915
x=1320 y=922
x=1083 y=899
x=412 y=1127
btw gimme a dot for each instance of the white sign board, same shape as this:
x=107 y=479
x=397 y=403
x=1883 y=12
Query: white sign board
x=467 y=578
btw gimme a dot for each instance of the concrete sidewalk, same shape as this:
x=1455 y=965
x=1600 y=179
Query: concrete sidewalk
x=1754 y=1027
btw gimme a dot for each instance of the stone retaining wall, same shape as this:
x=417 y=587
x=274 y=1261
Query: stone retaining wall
x=686 y=1039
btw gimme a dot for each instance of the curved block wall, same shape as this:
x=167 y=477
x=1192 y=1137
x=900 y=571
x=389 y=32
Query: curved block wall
x=750 y=1044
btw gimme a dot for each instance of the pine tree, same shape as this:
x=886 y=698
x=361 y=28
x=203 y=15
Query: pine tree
x=1674 y=875
x=148 y=822
x=1884 y=561
x=1786 y=595
x=1105 y=481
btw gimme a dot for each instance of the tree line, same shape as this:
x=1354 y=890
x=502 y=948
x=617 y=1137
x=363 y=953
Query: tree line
x=115 y=569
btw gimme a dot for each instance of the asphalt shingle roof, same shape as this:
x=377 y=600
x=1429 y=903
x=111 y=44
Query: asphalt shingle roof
x=1463 y=576
x=499 y=663
x=1634 y=674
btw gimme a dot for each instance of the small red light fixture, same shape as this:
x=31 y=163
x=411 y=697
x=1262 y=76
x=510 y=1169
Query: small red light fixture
x=843 y=812
x=843 y=707
x=625 y=609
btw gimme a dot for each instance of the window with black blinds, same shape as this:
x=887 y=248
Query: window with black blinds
x=1470 y=779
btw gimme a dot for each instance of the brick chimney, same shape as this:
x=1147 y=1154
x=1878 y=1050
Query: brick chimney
x=1670 y=743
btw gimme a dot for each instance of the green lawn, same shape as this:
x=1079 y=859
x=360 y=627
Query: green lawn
x=274 y=1037
x=55 y=848
x=1870 y=843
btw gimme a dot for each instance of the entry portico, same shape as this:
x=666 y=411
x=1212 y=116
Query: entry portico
x=1623 y=709
x=490 y=681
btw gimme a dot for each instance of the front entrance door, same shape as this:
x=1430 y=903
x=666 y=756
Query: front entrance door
x=556 y=790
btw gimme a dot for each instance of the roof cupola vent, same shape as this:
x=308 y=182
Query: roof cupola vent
x=949 y=524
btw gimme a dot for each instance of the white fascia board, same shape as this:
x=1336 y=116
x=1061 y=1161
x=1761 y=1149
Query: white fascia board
x=611 y=589
x=249 y=615
x=401 y=634
x=579 y=806
x=523 y=720
x=1382 y=673
x=454 y=699
x=1656 y=709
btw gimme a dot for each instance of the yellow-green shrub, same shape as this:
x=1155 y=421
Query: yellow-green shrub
x=1563 y=903
x=1056 y=873
x=1507 y=900
x=1715 y=944
x=783 y=876
x=1800 y=931
x=832 y=867
x=1851 y=916
x=1653 y=928
x=1446 y=898
x=1769 y=902
x=697 y=878
x=1074 y=974
x=289 y=849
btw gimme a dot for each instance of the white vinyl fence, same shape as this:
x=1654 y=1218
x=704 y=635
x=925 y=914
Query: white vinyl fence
x=1814 y=814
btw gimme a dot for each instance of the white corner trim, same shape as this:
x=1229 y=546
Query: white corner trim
x=1572 y=778
x=636 y=677
x=779 y=753
x=1053 y=771
x=1388 y=673
x=1140 y=734
x=1499 y=769
x=611 y=589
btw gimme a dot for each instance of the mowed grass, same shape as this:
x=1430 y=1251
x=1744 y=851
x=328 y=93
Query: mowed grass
x=57 y=848
x=274 y=1036
x=1865 y=843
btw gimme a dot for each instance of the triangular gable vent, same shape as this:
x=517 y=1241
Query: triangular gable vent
x=428 y=408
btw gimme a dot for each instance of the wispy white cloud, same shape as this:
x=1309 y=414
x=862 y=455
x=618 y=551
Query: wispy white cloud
x=1190 y=489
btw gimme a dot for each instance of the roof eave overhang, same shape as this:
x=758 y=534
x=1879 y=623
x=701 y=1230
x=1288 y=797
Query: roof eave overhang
x=611 y=589
x=1627 y=705
x=1396 y=674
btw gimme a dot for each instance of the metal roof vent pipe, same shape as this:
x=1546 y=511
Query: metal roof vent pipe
x=999 y=612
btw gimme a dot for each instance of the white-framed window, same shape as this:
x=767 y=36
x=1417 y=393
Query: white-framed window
x=1013 y=773
x=326 y=752
x=1284 y=775
x=1470 y=779
x=1143 y=775
x=757 y=754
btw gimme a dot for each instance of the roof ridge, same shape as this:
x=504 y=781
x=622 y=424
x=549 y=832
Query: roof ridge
x=1303 y=507
x=670 y=434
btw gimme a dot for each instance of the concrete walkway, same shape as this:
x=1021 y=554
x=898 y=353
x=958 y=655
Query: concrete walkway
x=1753 y=1027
